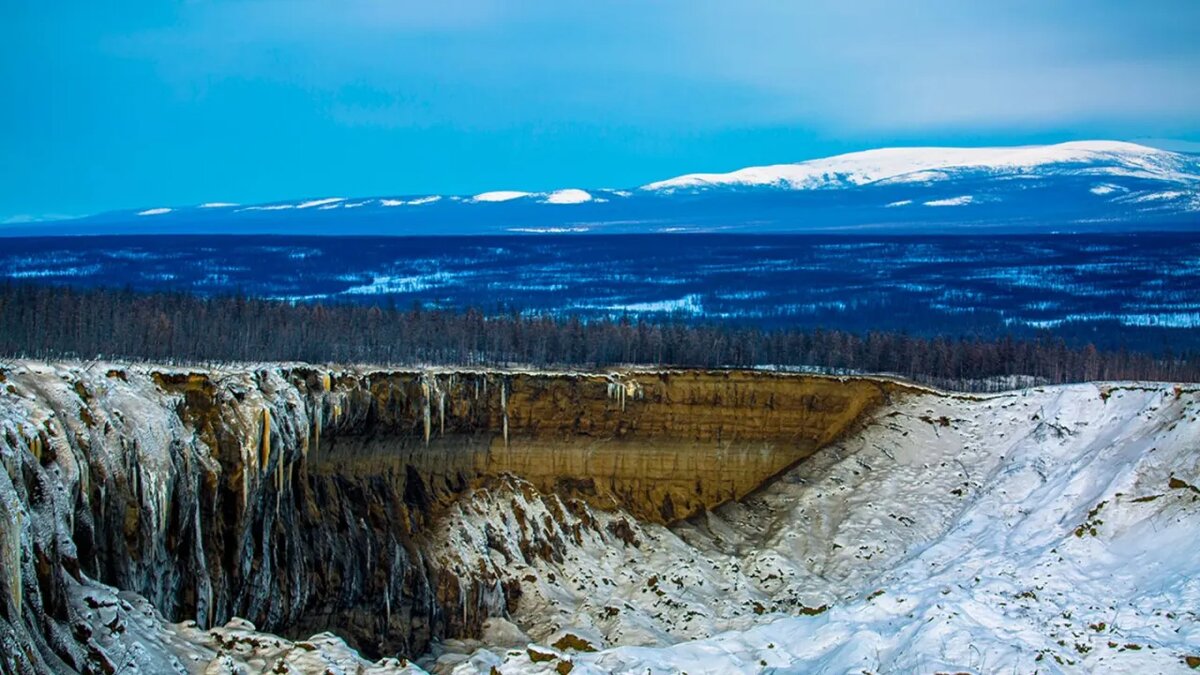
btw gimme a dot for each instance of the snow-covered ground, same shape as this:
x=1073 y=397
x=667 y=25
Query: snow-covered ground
x=1049 y=530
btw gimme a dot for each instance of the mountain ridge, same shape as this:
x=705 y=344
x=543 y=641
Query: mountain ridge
x=1090 y=185
x=870 y=166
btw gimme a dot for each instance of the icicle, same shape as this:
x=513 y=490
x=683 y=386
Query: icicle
x=504 y=408
x=442 y=413
x=245 y=479
x=202 y=565
x=278 y=483
x=326 y=382
x=425 y=395
x=317 y=425
x=10 y=536
x=266 y=437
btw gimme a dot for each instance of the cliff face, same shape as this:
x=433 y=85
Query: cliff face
x=663 y=445
x=300 y=498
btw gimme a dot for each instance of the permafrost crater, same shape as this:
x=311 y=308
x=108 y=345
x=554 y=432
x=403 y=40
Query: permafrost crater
x=470 y=516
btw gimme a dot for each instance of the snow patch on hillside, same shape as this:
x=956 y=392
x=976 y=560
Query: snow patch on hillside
x=689 y=304
x=499 y=196
x=550 y=230
x=1159 y=196
x=268 y=207
x=410 y=202
x=952 y=201
x=320 y=202
x=568 y=196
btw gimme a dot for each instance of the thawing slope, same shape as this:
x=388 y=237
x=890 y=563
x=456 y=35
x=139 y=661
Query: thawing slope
x=1050 y=529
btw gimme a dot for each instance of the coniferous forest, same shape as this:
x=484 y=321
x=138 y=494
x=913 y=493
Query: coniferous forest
x=60 y=322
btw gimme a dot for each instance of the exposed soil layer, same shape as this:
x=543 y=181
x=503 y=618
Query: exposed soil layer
x=299 y=497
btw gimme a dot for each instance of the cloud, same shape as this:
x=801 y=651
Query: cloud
x=841 y=67
x=912 y=66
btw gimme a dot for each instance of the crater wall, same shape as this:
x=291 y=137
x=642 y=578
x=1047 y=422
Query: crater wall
x=297 y=496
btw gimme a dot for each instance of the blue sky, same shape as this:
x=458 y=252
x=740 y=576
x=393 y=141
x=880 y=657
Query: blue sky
x=172 y=103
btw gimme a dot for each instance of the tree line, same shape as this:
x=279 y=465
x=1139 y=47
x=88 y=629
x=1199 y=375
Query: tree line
x=39 y=321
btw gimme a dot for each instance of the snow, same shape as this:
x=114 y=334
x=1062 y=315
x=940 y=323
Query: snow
x=400 y=284
x=952 y=201
x=154 y=212
x=902 y=202
x=410 y=202
x=568 y=196
x=1037 y=530
x=1103 y=189
x=922 y=164
x=690 y=304
x=217 y=205
x=269 y=207
x=499 y=196
x=312 y=203
x=549 y=230
x=320 y=202
x=1159 y=196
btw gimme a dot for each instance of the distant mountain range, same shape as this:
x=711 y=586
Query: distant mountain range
x=1077 y=186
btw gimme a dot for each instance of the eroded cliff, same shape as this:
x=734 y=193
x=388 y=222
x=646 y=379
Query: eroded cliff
x=301 y=498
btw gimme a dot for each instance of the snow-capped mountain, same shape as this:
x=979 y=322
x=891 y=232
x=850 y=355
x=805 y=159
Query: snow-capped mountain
x=927 y=165
x=1084 y=185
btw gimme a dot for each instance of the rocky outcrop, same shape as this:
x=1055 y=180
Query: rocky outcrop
x=299 y=497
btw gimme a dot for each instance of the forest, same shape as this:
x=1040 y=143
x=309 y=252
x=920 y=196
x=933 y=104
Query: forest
x=46 y=322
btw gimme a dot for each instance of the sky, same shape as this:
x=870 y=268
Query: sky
x=150 y=103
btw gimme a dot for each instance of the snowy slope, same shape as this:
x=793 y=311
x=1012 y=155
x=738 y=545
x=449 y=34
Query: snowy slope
x=1049 y=530
x=931 y=164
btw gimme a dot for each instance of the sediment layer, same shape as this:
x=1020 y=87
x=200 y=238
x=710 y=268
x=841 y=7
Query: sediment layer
x=297 y=496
